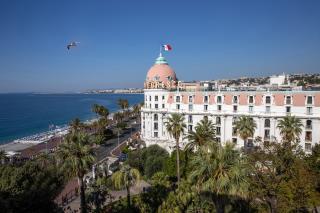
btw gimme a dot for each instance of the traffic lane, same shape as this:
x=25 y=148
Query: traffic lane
x=104 y=150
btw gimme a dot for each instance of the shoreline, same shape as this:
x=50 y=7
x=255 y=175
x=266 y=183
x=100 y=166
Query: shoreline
x=18 y=145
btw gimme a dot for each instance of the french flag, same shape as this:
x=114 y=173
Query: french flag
x=167 y=47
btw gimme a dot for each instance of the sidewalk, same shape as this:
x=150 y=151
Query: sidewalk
x=69 y=196
x=137 y=189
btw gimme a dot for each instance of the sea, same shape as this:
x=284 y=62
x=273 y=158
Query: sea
x=28 y=114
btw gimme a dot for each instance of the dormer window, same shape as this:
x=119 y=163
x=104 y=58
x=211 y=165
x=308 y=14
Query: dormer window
x=169 y=78
x=156 y=78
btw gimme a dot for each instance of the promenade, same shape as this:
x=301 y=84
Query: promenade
x=110 y=149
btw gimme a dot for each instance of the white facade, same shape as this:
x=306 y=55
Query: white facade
x=278 y=80
x=223 y=107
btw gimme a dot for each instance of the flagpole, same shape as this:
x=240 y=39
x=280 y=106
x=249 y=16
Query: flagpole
x=160 y=54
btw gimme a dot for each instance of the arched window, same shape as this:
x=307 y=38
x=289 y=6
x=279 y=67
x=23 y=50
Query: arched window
x=218 y=120
x=309 y=124
x=267 y=123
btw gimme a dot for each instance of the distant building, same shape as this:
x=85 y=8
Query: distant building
x=278 y=80
x=164 y=95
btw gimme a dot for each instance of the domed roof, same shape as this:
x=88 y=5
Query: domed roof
x=161 y=71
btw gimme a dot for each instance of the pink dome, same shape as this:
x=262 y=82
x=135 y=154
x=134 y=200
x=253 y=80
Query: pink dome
x=162 y=73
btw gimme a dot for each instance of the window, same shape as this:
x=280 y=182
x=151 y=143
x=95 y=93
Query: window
x=234 y=120
x=190 y=107
x=189 y=128
x=155 y=117
x=308 y=136
x=250 y=108
x=267 y=134
x=163 y=106
x=190 y=99
x=234 y=131
x=307 y=147
x=309 y=110
x=219 y=107
x=163 y=97
x=150 y=98
x=267 y=123
x=268 y=100
x=156 y=106
x=178 y=106
x=218 y=120
x=234 y=140
x=235 y=108
x=288 y=109
x=205 y=99
x=155 y=134
x=190 y=119
x=150 y=106
x=219 y=99
x=250 y=143
x=309 y=100
x=205 y=107
x=235 y=99
x=250 y=99
x=268 y=109
x=155 y=126
x=309 y=124
x=218 y=130
x=156 y=98
x=178 y=99
x=288 y=100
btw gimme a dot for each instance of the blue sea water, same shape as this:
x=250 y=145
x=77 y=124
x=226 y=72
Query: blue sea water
x=27 y=114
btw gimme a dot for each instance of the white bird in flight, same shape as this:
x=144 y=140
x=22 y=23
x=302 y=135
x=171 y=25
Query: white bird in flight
x=72 y=44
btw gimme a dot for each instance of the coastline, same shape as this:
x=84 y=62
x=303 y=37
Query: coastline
x=19 y=145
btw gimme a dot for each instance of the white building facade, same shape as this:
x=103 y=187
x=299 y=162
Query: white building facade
x=164 y=95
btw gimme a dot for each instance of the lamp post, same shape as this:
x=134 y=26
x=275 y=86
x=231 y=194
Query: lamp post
x=118 y=137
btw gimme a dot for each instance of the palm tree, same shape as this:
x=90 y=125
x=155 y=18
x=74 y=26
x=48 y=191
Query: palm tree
x=76 y=125
x=118 y=116
x=3 y=156
x=176 y=126
x=125 y=178
x=136 y=110
x=245 y=127
x=95 y=108
x=100 y=110
x=76 y=156
x=290 y=128
x=221 y=171
x=205 y=132
x=123 y=104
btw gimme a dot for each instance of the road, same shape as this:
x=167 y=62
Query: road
x=101 y=152
x=104 y=150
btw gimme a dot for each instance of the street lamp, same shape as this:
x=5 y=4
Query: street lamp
x=118 y=137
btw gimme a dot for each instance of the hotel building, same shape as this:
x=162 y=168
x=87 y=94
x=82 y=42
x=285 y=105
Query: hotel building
x=164 y=95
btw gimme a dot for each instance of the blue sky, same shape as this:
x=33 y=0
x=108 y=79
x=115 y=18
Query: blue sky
x=120 y=40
